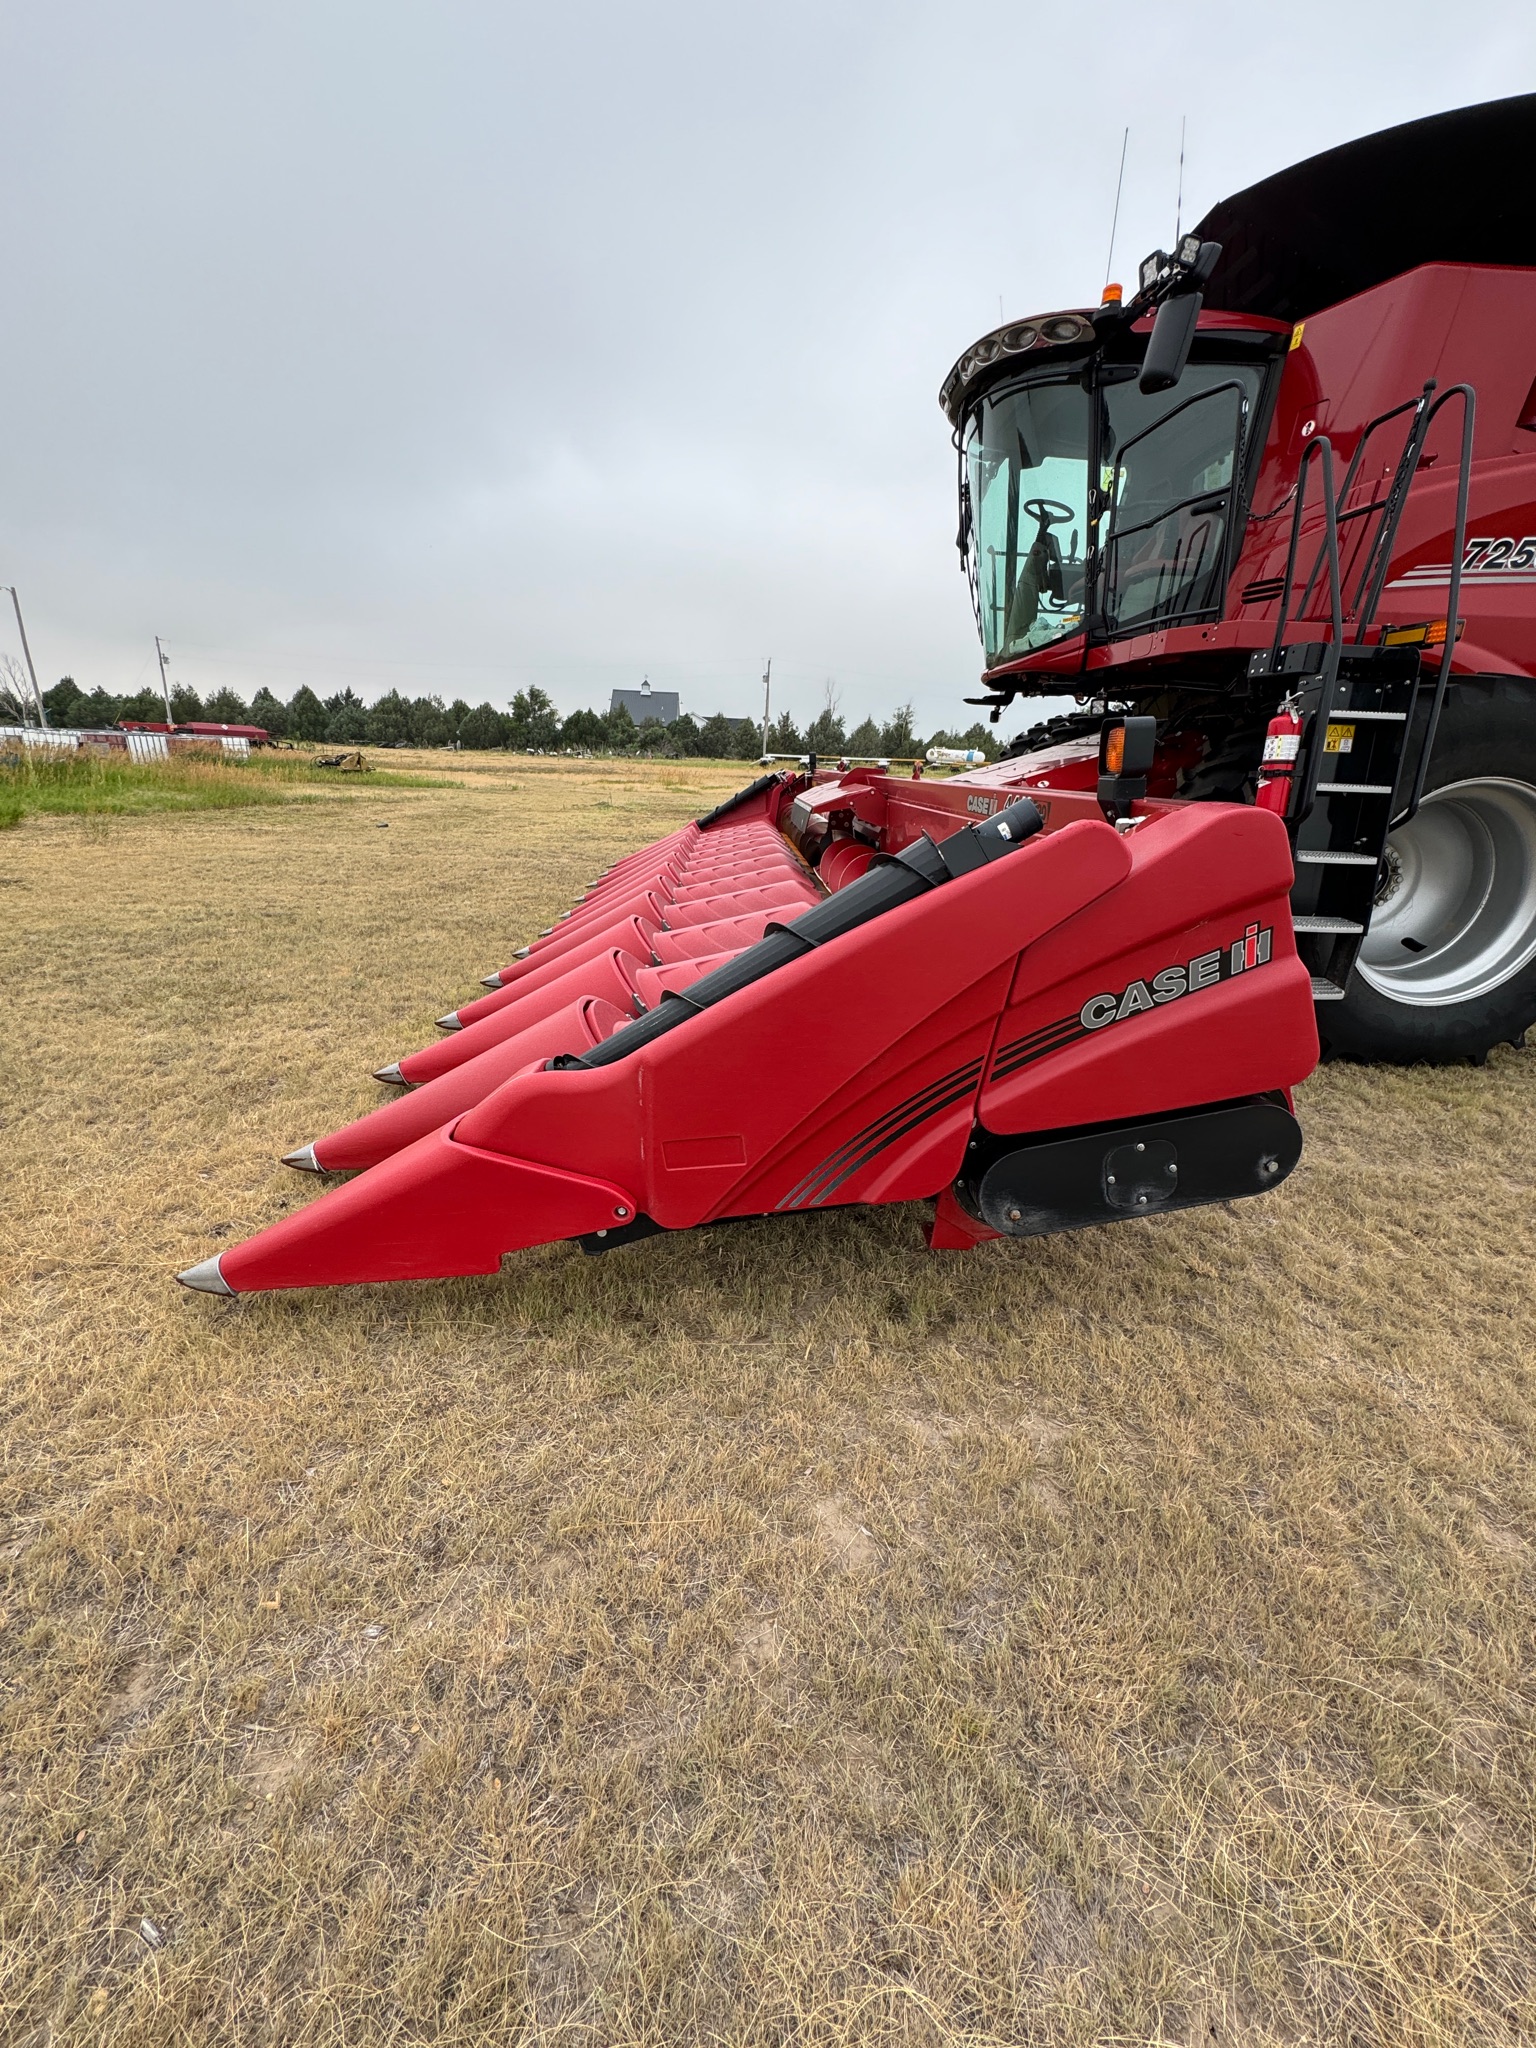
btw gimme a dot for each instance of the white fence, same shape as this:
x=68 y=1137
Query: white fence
x=30 y=736
x=140 y=746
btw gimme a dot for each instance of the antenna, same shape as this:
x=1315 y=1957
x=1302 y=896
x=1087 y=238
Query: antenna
x=1109 y=262
x=1178 y=210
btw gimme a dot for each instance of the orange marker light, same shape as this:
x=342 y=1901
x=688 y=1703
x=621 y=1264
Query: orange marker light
x=1114 y=751
x=1112 y=295
x=1431 y=635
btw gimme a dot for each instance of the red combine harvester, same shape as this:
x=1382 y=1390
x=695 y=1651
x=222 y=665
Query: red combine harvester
x=1272 y=524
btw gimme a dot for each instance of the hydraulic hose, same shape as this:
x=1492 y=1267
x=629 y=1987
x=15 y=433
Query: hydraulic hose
x=890 y=882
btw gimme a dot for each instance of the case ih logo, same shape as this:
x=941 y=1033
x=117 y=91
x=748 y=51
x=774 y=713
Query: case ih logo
x=1497 y=560
x=1204 y=971
x=983 y=806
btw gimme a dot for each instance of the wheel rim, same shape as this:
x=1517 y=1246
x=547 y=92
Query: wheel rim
x=1456 y=911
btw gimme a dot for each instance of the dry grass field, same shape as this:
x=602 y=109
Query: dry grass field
x=778 y=1637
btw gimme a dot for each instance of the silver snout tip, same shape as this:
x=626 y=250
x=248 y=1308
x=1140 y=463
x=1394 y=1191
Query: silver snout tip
x=304 y=1160
x=451 y=1022
x=206 y=1278
x=391 y=1074
x=491 y=980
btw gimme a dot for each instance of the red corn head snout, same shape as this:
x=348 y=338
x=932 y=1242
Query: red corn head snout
x=573 y=1029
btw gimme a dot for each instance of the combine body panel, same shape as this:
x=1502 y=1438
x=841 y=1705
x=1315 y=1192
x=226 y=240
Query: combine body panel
x=1445 y=325
x=1272 y=526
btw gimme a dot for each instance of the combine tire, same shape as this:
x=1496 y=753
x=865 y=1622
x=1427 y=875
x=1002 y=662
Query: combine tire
x=1448 y=968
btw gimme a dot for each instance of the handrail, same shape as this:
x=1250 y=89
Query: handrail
x=1468 y=399
x=1320 y=444
x=1304 y=792
x=1391 y=506
x=1373 y=575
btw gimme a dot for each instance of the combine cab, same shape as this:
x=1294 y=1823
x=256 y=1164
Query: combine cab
x=1272 y=525
x=1247 y=504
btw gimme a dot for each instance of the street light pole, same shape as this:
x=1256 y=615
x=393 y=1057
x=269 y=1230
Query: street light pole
x=767 y=677
x=42 y=709
x=165 y=688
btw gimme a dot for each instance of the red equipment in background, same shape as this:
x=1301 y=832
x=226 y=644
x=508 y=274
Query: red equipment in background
x=200 y=729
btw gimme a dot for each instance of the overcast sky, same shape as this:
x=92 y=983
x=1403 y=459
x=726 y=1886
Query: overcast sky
x=461 y=346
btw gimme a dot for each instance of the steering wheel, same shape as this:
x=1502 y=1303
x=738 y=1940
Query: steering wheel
x=1049 y=511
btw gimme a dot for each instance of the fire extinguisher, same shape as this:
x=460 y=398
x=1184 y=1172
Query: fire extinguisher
x=1282 y=745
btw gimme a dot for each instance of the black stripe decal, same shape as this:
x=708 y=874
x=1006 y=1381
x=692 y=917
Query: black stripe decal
x=883 y=1131
x=1026 y=1051
x=835 y=1168
x=1030 y=1038
x=913 y=1102
x=1040 y=1053
x=905 y=1116
x=947 y=1102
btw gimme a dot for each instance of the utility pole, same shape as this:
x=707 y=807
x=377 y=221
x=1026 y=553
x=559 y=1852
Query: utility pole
x=767 y=677
x=42 y=709
x=165 y=688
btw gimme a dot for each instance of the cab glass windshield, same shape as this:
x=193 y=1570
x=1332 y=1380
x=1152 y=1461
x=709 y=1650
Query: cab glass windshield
x=1168 y=467
x=1027 y=468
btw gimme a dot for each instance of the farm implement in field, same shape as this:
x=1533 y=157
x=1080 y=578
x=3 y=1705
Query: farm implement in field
x=1077 y=985
x=711 y=1034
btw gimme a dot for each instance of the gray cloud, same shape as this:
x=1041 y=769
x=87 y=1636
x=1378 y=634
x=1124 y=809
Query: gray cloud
x=462 y=346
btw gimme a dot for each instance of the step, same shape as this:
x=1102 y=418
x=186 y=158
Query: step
x=1357 y=788
x=1342 y=714
x=1338 y=860
x=1326 y=991
x=1308 y=923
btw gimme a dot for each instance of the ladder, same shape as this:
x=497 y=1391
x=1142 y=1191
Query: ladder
x=1355 y=770
x=1369 y=711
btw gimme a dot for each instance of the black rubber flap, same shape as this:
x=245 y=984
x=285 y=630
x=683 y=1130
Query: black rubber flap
x=1212 y=1155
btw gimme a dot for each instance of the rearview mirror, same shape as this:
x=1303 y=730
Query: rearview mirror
x=1168 y=345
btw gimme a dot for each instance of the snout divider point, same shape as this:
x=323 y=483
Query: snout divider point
x=207 y=1278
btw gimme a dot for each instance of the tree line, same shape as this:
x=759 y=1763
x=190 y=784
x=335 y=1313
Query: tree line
x=530 y=722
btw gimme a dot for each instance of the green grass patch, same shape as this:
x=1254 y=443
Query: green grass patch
x=86 y=784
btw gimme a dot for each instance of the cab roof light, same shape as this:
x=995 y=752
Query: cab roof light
x=1016 y=338
x=1187 y=269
